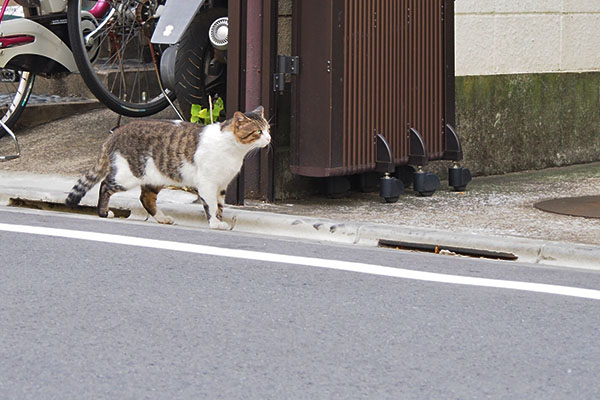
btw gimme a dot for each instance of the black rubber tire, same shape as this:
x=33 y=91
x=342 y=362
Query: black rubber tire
x=15 y=105
x=193 y=54
x=88 y=72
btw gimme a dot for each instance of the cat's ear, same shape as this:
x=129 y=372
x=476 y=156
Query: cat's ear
x=238 y=117
x=259 y=110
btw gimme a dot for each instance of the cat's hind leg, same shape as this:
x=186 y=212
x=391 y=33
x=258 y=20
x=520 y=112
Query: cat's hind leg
x=148 y=199
x=107 y=189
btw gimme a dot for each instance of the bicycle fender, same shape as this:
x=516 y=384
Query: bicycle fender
x=175 y=18
x=46 y=43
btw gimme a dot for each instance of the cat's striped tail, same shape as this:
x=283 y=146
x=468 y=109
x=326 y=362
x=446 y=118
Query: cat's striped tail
x=86 y=182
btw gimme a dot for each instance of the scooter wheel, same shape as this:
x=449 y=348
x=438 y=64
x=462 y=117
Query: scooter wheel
x=195 y=78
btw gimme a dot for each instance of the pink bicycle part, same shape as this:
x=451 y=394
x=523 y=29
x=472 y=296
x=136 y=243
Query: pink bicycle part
x=98 y=11
x=4 y=5
x=100 y=8
x=15 y=40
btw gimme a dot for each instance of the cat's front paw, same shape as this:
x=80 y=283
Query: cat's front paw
x=216 y=224
x=162 y=218
x=165 y=219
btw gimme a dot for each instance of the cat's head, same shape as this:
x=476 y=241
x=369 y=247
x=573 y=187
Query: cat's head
x=251 y=128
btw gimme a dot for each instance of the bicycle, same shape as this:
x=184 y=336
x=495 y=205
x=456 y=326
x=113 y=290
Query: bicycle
x=106 y=41
x=110 y=40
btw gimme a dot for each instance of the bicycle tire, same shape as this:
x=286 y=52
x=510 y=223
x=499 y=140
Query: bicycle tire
x=14 y=98
x=193 y=54
x=118 y=66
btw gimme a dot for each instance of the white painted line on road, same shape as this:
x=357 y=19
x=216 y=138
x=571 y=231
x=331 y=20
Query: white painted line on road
x=304 y=261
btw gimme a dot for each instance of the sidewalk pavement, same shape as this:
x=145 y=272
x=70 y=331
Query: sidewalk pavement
x=494 y=214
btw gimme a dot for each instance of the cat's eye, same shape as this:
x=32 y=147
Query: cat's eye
x=259 y=131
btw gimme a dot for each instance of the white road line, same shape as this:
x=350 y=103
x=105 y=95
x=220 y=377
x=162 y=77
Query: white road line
x=305 y=261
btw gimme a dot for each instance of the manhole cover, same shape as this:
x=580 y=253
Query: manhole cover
x=586 y=206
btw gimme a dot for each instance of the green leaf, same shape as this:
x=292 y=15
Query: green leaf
x=198 y=113
x=217 y=108
x=196 y=109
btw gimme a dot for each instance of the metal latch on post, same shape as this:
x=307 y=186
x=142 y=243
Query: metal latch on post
x=285 y=65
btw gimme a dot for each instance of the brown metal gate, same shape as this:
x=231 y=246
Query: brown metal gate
x=367 y=68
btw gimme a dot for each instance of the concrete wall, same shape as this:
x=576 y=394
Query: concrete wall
x=530 y=36
x=516 y=122
x=528 y=83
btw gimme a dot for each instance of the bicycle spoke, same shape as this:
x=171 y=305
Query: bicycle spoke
x=121 y=75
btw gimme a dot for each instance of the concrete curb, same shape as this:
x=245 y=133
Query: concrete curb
x=527 y=250
x=53 y=190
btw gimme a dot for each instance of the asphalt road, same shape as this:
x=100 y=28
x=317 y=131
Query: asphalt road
x=93 y=308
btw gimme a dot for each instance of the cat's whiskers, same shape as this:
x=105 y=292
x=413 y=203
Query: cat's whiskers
x=258 y=149
x=269 y=147
x=254 y=150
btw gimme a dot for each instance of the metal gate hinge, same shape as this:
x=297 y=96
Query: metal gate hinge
x=285 y=65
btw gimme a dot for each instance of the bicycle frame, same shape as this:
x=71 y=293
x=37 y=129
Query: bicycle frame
x=15 y=141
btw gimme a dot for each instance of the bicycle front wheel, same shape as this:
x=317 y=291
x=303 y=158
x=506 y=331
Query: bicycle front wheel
x=112 y=49
x=15 y=89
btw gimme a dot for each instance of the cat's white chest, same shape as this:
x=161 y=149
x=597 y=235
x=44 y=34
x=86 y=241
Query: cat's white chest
x=218 y=158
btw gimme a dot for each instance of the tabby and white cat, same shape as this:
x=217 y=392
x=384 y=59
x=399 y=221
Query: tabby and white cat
x=157 y=153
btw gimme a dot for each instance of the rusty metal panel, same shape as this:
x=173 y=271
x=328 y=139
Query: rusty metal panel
x=368 y=67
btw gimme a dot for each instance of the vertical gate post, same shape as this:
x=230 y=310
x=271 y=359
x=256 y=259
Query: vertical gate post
x=268 y=67
x=236 y=59
x=253 y=24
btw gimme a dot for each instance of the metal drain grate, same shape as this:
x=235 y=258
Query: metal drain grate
x=450 y=250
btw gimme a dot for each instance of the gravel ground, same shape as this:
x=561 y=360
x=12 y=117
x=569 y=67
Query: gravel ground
x=501 y=205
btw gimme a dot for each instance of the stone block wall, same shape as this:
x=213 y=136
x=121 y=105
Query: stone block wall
x=533 y=36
